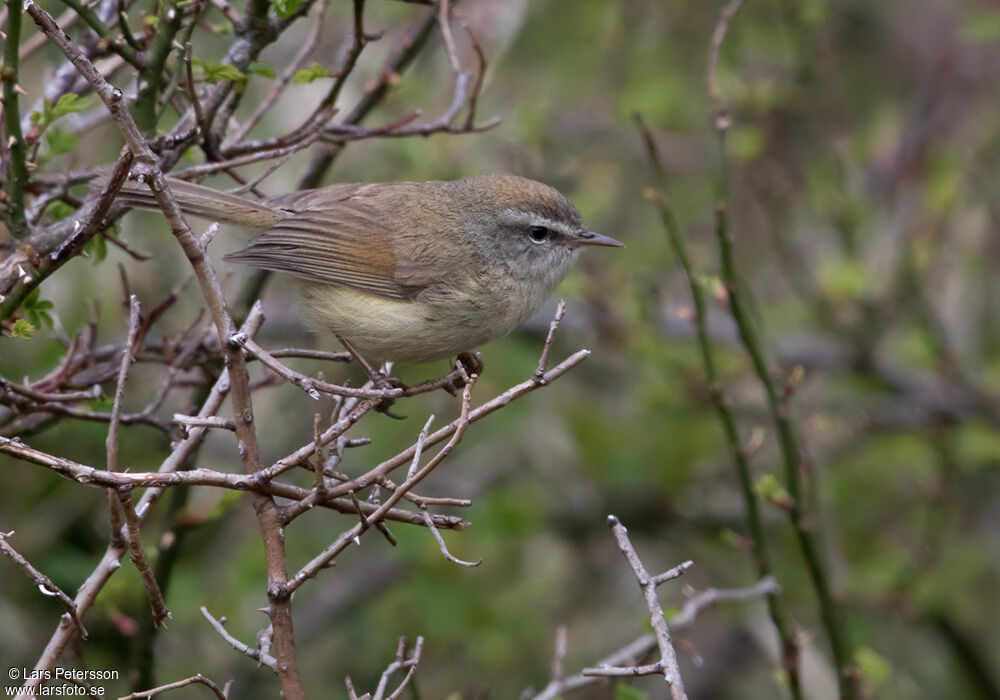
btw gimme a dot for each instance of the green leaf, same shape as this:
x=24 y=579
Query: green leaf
x=21 y=329
x=217 y=72
x=265 y=70
x=36 y=310
x=101 y=403
x=746 y=143
x=69 y=103
x=770 y=489
x=314 y=71
x=151 y=20
x=874 y=669
x=624 y=691
x=843 y=280
x=59 y=210
x=96 y=248
x=285 y=8
x=60 y=141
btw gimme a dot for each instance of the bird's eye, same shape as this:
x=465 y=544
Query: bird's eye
x=538 y=233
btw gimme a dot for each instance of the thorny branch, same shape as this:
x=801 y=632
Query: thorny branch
x=758 y=542
x=667 y=663
x=189 y=359
x=221 y=693
x=627 y=661
x=808 y=539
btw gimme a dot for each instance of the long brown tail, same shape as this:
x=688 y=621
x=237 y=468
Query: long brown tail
x=204 y=202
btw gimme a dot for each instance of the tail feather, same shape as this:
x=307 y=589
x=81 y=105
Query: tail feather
x=203 y=202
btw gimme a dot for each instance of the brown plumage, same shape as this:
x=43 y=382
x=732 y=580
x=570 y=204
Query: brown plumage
x=408 y=270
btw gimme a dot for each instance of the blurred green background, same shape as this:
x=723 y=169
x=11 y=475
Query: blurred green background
x=864 y=210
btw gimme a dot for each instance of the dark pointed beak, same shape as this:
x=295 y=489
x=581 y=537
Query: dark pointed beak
x=591 y=238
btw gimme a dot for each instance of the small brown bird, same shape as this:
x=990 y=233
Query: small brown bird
x=407 y=271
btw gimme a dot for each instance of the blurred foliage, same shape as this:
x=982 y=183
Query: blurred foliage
x=863 y=175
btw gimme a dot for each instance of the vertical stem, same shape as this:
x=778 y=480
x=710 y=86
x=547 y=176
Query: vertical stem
x=777 y=403
x=788 y=442
x=17 y=174
x=410 y=47
x=758 y=542
x=151 y=76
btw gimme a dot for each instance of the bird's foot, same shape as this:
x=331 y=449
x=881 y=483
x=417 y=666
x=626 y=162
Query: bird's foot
x=467 y=364
x=384 y=382
x=380 y=380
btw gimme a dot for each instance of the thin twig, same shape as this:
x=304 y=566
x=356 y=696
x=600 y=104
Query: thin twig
x=197 y=678
x=741 y=460
x=279 y=86
x=477 y=88
x=720 y=116
x=207 y=422
x=322 y=560
x=421 y=438
x=694 y=605
x=111 y=442
x=110 y=562
x=543 y=359
x=399 y=664
x=559 y=655
x=165 y=478
x=444 y=21
x=777 y=403
x=133 y=539
x=255 y=654
x=44 y=583
x=668 y=657
x=442 y=546
x=671 y=574
x=314 y=386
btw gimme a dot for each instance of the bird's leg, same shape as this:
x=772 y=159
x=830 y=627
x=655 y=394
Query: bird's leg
x=378 y=379
x=471 y=362
x=467 y=364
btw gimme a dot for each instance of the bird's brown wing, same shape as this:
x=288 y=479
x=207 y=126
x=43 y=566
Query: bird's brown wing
x=345 y=243
x=318 y=198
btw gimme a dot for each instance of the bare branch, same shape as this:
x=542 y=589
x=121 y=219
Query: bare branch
x=44 y=583
x=444 y=21
x=279 y=86
x=110 y=562
x=720 y=116
x=197 y=678
x=400 y=663
x=710 y=596
x=624 y=661
x=421 y=438
x=84 y=474
x=553 y=327
x=207 y=422
x=322 y=560
x=111 y=443
x=668 y=657
x=442 y=546
x=132 y=538
x=671 y=574
x=255 y=654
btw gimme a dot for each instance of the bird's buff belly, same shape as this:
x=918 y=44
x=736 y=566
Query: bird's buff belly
x=405 y=331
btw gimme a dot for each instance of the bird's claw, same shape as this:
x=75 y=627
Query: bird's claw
x=467 y=364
